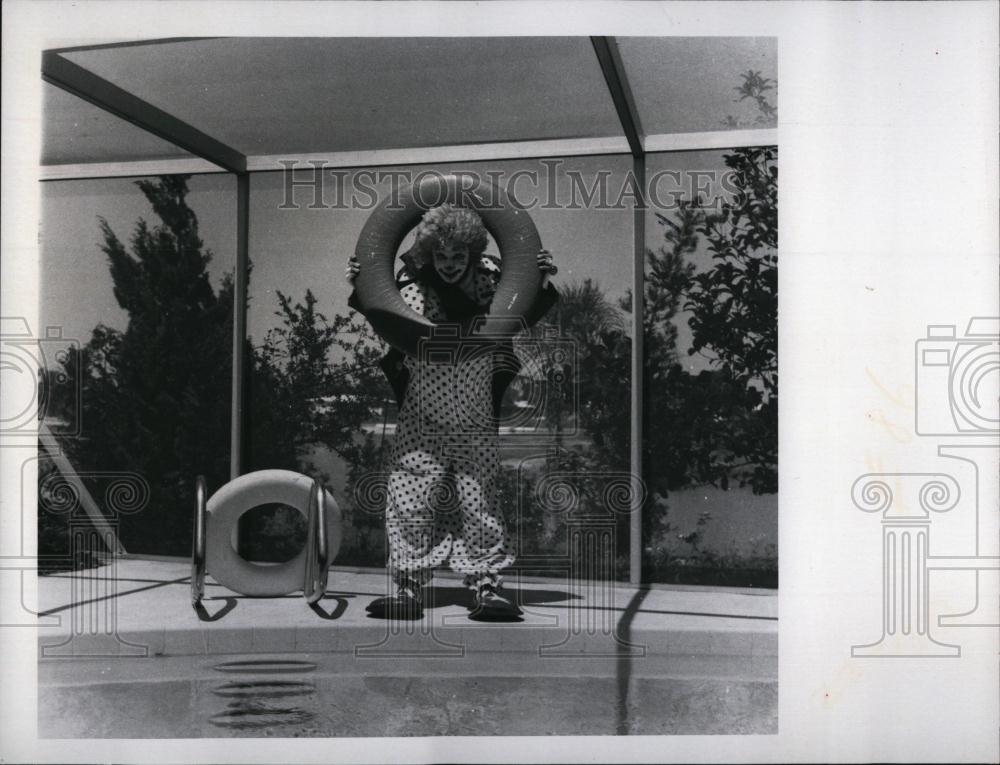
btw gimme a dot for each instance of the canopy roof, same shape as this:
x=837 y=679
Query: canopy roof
x=369 y=101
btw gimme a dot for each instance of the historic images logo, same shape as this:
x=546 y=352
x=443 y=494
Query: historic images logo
x=42 y=406
x=30 y=368
x=956 y=386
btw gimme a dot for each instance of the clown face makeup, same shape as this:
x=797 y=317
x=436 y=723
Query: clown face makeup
x=451 y=261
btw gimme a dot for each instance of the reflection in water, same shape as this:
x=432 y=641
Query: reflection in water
x=250 y=704
x=265 y=666
x=264 y=689
x=245 y=715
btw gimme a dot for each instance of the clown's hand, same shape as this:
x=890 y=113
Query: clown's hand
x=546 y=266
x=353 y=269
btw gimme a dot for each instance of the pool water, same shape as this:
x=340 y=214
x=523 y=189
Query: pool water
x=322 y=695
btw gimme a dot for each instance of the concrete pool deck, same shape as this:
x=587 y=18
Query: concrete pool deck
x=121 y=643
x=136 y=607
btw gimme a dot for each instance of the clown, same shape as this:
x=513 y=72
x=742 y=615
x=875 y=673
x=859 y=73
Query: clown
x=442 y=507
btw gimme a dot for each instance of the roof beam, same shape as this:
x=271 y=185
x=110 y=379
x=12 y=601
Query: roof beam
x=129 y=169
x=614 y=75
x=716 y=139
x=73 y=78
x=562 y=147
x=129 y=43
x=570 y=147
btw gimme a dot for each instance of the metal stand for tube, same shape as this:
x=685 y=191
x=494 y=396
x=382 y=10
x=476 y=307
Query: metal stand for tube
x=198 y=541
x=318 y=558
x=317 y=549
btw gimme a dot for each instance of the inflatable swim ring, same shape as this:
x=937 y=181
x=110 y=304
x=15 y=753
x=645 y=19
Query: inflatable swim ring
x=511 y=228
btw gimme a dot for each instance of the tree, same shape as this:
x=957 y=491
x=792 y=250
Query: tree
x=156 y=396
x=734 y=318
x=596 y=329
x=726 y=416
x=314 y=382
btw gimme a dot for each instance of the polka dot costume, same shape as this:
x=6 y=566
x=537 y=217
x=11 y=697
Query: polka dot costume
x=442 y=507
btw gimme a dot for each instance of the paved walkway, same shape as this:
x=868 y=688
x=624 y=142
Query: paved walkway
x=142 y=607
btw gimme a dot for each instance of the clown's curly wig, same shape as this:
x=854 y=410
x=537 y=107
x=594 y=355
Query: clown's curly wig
x=448 y=223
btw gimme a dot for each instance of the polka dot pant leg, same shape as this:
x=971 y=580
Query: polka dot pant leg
x=481 y=549
x=419 y=479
